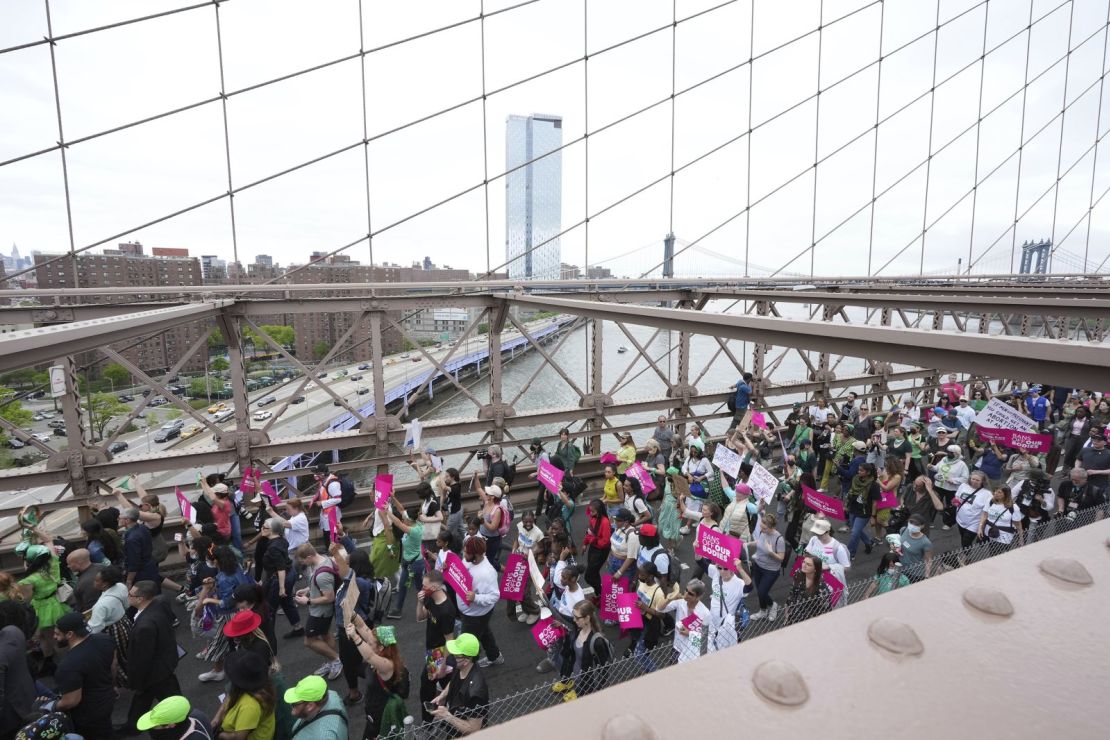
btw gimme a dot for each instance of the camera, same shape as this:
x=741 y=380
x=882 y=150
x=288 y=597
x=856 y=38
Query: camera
x=481 y=454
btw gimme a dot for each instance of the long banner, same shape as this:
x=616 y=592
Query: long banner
x=1017 y=440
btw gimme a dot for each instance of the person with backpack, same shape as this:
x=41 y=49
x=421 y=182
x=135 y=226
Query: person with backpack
x=328 y=496
x=319 y=597
x=353 y=568
x=586 y=655
x=634 y=501
x=215 y=607
x=494 y=524
x=666 y=565
x=650 y=598
x=319 y=713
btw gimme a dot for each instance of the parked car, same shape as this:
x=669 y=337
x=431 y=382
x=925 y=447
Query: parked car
x=117 y=447
x=60 y=431
x=364 y=366
x=267 y=401
x=190 y=431
x=298 y=399
x=178 y=389
x=417 y=358
x=38 y=394
x=225 y=415
x=48 y=414
x=16 y=444
x=41 y=437
x=37 y=417
x=405 y=356
x=262 y=415
x=354 y=378
x=341 y=374
x=165 y=435
x=159 y=401
x=337 y=403
x=124 y=398
x=56 y=424
x=363 y=391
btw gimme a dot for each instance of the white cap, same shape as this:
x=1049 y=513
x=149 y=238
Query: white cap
x=821 y=526
x=494 y=491
x=954 y=448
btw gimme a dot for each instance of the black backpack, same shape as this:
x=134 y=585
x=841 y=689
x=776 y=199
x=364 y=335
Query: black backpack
x=573 y=486
x=347 y=491
x=674 y=569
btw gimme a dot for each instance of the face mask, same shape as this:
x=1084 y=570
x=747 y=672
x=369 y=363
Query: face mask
x=913 y=528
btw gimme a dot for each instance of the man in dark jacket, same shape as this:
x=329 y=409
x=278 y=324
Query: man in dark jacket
x=152 y=656
x=138 y=559
x=17 y=688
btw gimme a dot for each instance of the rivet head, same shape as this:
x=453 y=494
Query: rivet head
x=1068 y=570
x=989 y=601
x=895 y=637
x=627 y=727
x=780 y=683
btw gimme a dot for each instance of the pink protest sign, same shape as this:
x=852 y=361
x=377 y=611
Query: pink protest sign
x=637 y=471
x=457 y=576
x=549 y=475
x=888 y=501
x=188 y=513
x=547 y=632
x=692 y=623
x=1017 y=440
x=610 y=589
x=249 y=484
x=513 y=577
x=827 y=505
x=759 y=420
x=383 y=489
x=628 y=614
x=270 y=492
x=333 y=523
x=717 y=547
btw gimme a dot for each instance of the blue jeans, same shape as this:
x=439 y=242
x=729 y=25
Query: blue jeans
x=416 y=570
x=764 y=580
x=859 y=529
x=641 y=652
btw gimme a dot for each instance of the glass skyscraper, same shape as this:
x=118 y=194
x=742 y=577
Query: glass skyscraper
x=533 y=196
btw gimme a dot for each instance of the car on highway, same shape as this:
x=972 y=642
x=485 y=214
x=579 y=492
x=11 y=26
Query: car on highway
x=157 y=401
x=16 y=444
x=124 y=398
x=298 y=399
x=417 y=358
x=262 y=415
x=225 y=415
x=354 y=378
x=405 y=356
x=363 y=391
x=117 y=447
x=47 y=414
x=267 y=401
x=165 y=435
x=337 y=403
x=217 y=408
x=56 y=424
x=190 y=431
x=365 y=366
x=341 y=374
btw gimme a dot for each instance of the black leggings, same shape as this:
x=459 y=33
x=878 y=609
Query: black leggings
x=350 y=658
x=479 y=627
x=596 y=558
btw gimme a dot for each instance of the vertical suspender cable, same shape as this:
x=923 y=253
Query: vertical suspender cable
x=978 y=130
x=227 y=146
x=62 y=148
x=1021 y=138
x=875 y=152
x=1063 y=123
x=929 y=151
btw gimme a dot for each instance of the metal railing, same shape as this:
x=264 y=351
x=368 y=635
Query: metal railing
x=546 y=694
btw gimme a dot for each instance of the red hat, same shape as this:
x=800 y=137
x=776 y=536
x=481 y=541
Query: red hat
x=649 y=530
x=243 y=623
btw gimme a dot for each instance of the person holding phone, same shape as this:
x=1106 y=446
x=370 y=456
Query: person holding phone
x=464 y=704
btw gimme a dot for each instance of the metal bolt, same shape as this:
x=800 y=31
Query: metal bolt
x=1068 y=570
x=895 y=637
x=780 y=683
x=627 y=727
x=989 y=601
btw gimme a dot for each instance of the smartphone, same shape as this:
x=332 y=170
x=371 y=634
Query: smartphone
x=430 y=706
x=178 y=537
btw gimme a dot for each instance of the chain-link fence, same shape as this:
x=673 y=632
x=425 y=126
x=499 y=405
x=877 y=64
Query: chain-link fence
x=554 y=690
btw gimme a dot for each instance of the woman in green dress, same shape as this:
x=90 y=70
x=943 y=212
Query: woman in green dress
x=39 y=587
x=668 y=518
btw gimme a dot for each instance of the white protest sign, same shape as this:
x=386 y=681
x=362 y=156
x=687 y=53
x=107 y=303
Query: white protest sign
x=414 y=434
x=997 y=415
x=726 y=460
x=762 y=482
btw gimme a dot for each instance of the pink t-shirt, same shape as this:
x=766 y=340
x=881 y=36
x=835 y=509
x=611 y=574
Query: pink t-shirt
x=221 y=513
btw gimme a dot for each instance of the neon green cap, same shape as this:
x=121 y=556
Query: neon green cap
x=169 y=711
x=309 y=688
x=465 y=644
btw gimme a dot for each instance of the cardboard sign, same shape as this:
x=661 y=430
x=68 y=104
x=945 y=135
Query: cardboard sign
x=827 y=505
x=763 y=483
x=512 y=577
x=637 y=471
x=383 y=489
x=350 y=601
x=1017 y=440
x=717 y=547
x=999 y=415
x=610 y=589
x=745 y=421
x=188 y=513
x=549 y=475
x=628 y=614
x=680 y=487
x=727 y=461
x=414 y=434
x=889 y=500
x=547 y=632
x=457 y=576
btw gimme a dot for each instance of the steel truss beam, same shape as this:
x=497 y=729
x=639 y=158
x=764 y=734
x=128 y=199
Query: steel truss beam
x=1081 y=366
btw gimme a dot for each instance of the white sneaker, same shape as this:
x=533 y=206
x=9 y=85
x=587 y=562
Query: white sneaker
x=758 y=615
x=336 y=670
x=774 y=612
x=684 y=566
x=323 y=670
x=684 y=530
x=522 y=617
x=946 y=528
x=211 y=676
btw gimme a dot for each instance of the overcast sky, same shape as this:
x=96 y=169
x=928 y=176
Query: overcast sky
x=124 y=179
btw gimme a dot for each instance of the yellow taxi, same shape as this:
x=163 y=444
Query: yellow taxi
x=217 y=408
x=190 y=431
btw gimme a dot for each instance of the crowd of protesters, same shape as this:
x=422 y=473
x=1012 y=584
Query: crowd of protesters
x=90 y=622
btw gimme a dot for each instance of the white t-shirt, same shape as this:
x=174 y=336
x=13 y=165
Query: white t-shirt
x=662 y=562
x=567 y=601
x=819 y=415
x=335 y=495
x=298 y=531
x=625 y=543
x=832 y=553
x=1000 y=516
x=968 y=515
x=725 y=599
x=688 y=646
x=527 y=538
x=637 y=506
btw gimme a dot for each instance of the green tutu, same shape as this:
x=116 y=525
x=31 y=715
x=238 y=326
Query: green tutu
x=667 y=518
x=385 y=556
